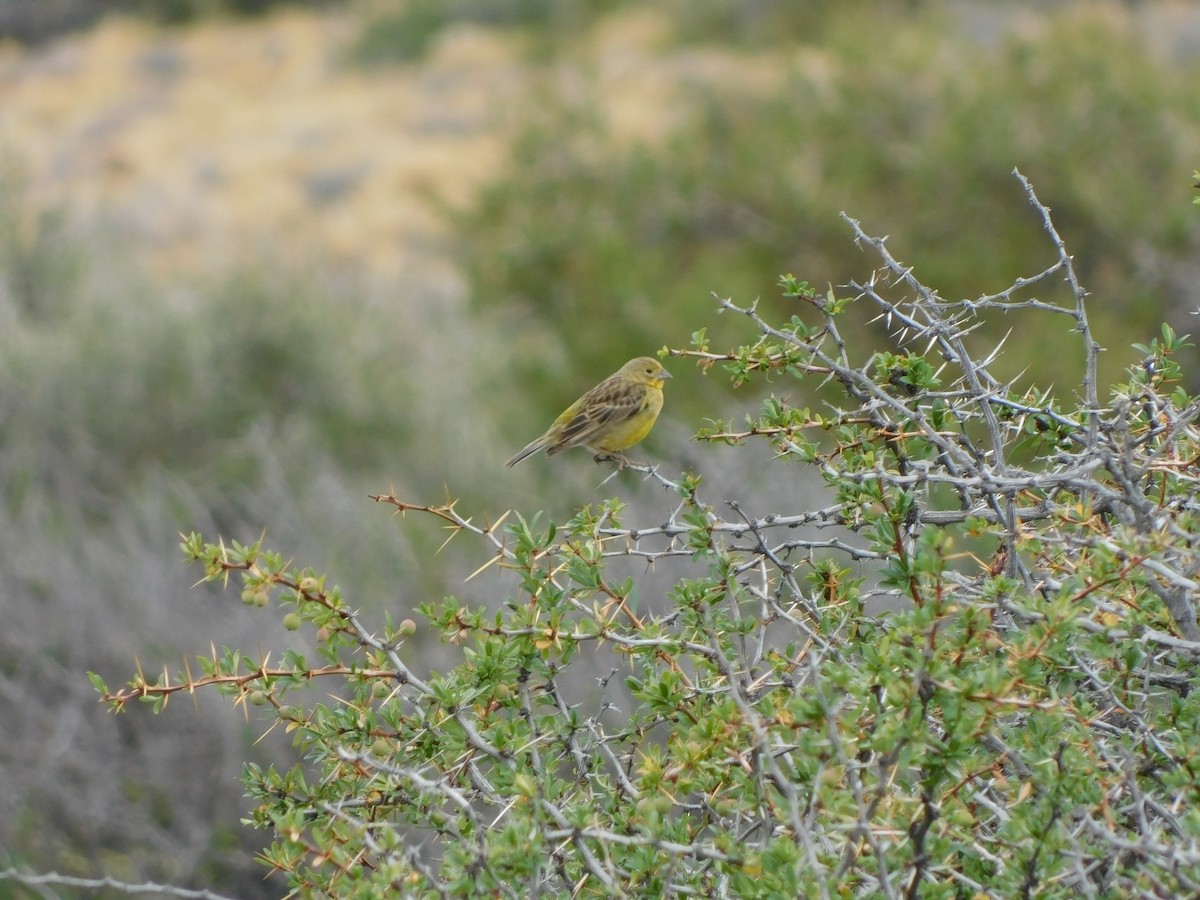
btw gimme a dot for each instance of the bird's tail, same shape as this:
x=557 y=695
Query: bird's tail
x=529 y=450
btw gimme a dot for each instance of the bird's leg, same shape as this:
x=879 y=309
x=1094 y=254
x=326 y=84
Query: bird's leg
x=619 y=458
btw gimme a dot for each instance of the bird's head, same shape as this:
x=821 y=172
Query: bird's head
x=646 y=370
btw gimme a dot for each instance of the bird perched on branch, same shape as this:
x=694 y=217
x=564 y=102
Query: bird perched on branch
x=614 y=415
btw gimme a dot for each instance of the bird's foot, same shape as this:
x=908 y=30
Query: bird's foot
x=620 y=459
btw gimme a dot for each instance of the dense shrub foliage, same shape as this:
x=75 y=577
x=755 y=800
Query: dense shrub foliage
x=966 y=673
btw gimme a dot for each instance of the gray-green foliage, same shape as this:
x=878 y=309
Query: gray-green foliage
x=133 y=407
x=967 y=672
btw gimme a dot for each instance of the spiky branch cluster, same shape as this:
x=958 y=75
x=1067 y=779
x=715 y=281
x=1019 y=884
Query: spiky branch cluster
x=966 y=673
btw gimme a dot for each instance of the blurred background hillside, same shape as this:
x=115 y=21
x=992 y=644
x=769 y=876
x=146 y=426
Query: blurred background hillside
x=258 y=260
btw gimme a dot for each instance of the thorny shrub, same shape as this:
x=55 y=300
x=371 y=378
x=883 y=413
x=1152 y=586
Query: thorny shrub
x=966 y=674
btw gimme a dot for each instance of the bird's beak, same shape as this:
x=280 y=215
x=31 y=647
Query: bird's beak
x=664 y=375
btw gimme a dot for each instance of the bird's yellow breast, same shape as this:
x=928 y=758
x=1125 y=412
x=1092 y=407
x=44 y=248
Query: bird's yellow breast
x=634 y=429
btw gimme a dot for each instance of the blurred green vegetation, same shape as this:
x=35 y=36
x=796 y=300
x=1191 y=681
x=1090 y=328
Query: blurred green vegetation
x=176 y=378
x=275 y=396
x=133 y=408
x=180 y=12
x=772 y=23
x=599 y=249
x=403 y=32
x=38 y=21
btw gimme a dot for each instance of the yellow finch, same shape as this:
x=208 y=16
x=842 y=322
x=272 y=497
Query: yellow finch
x=615 y=414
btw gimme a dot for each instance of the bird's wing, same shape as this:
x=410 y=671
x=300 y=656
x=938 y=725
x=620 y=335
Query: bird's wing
x=605 y=406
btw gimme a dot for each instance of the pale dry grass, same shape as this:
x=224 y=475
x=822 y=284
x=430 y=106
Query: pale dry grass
x=232 y=139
